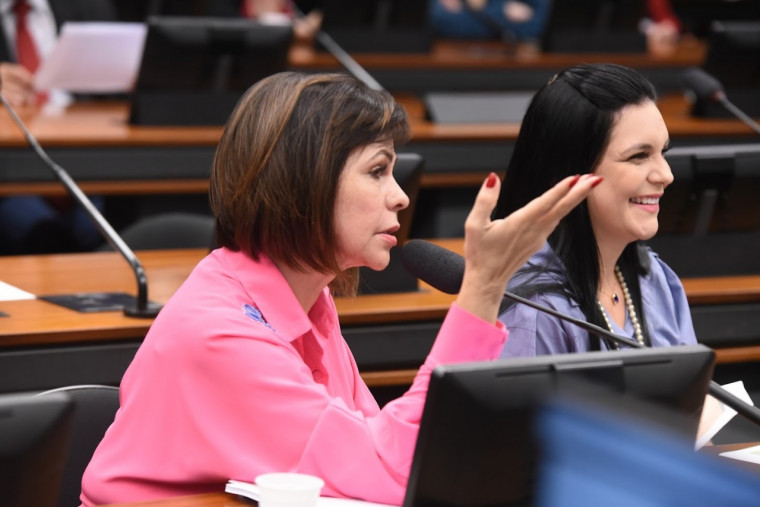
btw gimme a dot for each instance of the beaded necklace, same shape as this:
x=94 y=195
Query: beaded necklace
x=631 y=310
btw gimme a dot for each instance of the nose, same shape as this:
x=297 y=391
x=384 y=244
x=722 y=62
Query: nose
x=397 y=199
x=662 y=173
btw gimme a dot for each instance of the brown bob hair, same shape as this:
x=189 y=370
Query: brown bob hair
x=276 y=169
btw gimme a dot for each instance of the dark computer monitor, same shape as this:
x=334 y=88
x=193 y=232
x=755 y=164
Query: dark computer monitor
x=599 y=26
x=34 y=440
x=194 y=69
x=733 y=58
x=372 y=26
x=711 y=207
x=696 y=16
x=395 y=278
x=714 y=189
x=477 y=443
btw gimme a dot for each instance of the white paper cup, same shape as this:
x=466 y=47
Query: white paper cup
x=288 y=490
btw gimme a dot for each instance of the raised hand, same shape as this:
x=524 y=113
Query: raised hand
x=496 y=249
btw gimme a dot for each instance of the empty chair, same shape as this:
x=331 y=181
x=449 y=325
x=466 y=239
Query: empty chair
x=94 y=409
x=170 y=230
x=34 y=439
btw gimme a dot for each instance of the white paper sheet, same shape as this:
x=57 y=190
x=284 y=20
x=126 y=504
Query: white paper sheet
x=10 y=293
x=722 y=413
x=751 y=454
x=93 y=57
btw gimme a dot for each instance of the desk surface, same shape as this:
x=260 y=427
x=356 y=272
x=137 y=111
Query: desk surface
x=36 y=322
x=105 y=124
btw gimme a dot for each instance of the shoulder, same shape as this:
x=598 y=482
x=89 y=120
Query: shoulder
x=229 y=295
x=660 y=275
x=543 y=267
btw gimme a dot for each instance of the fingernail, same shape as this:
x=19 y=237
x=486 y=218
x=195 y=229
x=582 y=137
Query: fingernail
x=574 y=180
x=599 y=180
x=491 y=181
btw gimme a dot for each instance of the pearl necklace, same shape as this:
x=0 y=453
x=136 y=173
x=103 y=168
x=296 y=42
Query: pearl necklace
x=631 y=310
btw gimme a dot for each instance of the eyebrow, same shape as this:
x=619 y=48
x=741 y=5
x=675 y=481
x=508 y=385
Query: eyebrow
x=641 y=147
x=387 y=153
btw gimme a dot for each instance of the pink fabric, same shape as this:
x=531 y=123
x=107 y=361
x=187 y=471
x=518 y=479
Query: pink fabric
x=218 y=392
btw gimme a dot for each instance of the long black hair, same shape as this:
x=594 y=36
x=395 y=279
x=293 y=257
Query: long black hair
x=566 y=131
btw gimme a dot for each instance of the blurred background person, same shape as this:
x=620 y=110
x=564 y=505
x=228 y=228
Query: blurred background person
x=29 y=223
x=509 y=20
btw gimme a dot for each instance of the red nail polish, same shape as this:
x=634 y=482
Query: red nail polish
x=491 y=181
x=599 y=180
x=574 y=180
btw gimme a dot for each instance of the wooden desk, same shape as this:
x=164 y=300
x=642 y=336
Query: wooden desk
x=468 y=65
x=106 y=155
x=44 y=345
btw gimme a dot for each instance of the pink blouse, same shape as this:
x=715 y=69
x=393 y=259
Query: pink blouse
x=234 y=379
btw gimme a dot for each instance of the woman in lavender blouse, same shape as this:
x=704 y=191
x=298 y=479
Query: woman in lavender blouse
x=595 y=266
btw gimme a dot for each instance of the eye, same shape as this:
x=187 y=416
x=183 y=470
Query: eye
x=639 y=156
x=379 y=171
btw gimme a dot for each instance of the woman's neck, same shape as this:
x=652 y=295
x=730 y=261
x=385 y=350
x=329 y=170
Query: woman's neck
x=609 y=254
x=306 y=285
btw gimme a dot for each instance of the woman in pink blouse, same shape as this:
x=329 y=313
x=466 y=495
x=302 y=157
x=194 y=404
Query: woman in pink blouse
x=245 y=370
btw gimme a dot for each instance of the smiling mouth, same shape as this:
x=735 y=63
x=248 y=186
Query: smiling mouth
x=645 y=200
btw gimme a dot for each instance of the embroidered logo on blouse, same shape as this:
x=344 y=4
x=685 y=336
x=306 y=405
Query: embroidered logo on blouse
x=255 y=314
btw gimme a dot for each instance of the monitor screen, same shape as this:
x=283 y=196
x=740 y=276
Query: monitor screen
x=371 y=26
x=733 y=58
x=34 y=440
x=194 y=69
x=477 y=443
x=395 y=278
x=714 y=189
x=600 y=26
x=711 y=206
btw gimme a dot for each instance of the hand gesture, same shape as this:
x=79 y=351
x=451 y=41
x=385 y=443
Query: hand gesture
x=496 y=249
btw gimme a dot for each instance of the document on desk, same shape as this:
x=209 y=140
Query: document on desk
x=716 y=414
x=10 y=293
x=251 y=491
x=94 y=57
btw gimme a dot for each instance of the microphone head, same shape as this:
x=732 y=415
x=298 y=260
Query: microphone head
x=434 y=265
x=704 y=86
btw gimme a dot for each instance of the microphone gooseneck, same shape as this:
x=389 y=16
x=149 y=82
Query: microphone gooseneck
x=346 y=60
x=444 y=270
x=707 y=88
x=143 y=308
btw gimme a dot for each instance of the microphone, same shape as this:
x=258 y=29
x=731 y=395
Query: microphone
x=443 y=269
x=139 y=307
x=708 y=89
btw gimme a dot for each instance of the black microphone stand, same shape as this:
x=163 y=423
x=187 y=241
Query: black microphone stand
x=731 y=107
x=708 y=89
x=143 y=308
x=716 y=390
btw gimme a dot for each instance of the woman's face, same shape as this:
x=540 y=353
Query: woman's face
x=367 y=206
x=624 y=207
